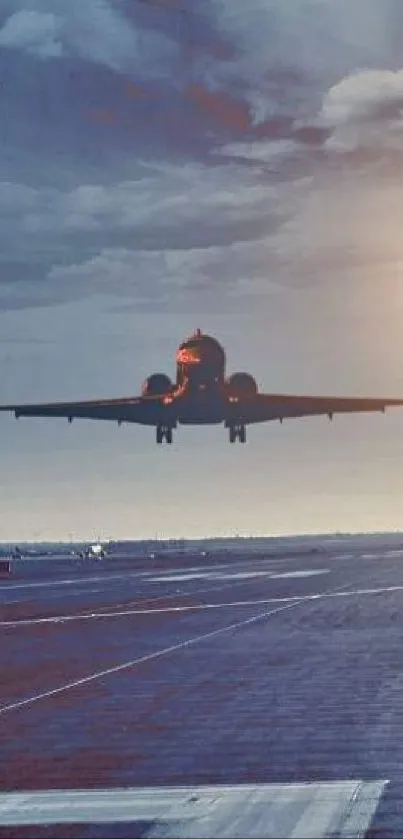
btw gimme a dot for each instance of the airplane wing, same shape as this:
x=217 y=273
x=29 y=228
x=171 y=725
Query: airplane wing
x=146 y=410
x=278 y=406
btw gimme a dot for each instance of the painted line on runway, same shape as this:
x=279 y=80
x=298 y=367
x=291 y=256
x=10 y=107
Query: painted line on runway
x=175 y=575
x=293 y=599
x=147 y=576
x=152 y=576
x=14 y=706
x=154 y=599
x=55 y=596
x=177 y=594
x=342 y=808
x=76 y=580
x=308 y=572
x=243 y=576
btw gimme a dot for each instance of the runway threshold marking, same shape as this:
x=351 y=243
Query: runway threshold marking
x=337 y=808
x=198 y=607
x=150 y=656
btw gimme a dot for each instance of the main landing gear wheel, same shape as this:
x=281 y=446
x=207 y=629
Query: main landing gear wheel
x=237 y=432
x=163 y=432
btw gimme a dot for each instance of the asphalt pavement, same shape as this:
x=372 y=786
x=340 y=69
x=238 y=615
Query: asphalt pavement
x=256 y=696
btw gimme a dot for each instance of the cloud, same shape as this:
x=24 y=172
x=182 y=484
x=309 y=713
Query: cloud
x=264 y=151
x=364 y=96
x=284 y=56
x=241 y=64
x=36 y=32
x=211 y=193
x=271 y=67
x=95 y=30
x=135 y=235
x=155 y=276
x=364 y=111
x=168 y=199
x=286 y=52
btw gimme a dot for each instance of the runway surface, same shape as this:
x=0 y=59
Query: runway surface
x=216 y=677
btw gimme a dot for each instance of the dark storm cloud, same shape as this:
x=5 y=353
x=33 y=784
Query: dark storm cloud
x=192 y=210
x=138 y=128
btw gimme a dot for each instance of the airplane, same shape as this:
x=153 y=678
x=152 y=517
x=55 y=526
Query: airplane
x=202 y=395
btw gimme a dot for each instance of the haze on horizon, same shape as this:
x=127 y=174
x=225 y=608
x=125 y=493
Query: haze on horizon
x=236 y=169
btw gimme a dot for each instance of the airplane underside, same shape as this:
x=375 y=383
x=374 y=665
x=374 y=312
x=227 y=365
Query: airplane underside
x=200 y=409
x=236 y=430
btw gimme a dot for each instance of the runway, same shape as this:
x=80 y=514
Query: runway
x=242 y=696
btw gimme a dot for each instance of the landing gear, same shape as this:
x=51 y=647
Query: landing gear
x=164 y=432
x=237 y=432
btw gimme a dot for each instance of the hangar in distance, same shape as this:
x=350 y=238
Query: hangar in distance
x=202 y=394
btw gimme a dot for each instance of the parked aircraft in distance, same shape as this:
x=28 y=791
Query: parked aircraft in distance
x=97 y=551
x=202 y=395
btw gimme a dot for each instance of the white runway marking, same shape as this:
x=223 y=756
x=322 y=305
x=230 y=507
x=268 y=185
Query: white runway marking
x=179 y=578
x=308 y=573
x=175 y=575
x=199 y=606
x=243 y=575
x=56 y=595
x=339 y=809
x=85 y=592
x=211 y=575
x=76 y=580
x=201 y=571
x=155 y=598
x=106 y=577
x=149 y=657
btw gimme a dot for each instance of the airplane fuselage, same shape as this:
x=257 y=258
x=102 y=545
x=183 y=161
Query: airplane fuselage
x=199 y=396
x=202 y=395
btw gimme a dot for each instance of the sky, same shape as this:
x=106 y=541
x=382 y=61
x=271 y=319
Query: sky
x=237 y=167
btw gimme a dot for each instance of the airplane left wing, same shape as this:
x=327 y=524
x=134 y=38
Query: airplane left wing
x=146 y=410
x=278 y=406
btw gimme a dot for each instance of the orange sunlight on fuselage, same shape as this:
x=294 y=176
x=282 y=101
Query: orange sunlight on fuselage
x=200 y=364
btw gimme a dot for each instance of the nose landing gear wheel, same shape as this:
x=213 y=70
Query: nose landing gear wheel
x=163 y=432
x=237 y=432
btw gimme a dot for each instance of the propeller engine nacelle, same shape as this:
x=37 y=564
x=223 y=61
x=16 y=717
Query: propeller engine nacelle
x=157 y=384
x=242 y=384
